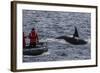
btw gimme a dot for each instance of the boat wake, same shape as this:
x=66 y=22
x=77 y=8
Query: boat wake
x=62 y=41
x=54 y=40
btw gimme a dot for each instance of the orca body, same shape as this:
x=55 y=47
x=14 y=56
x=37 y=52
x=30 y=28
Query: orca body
x=75 y=40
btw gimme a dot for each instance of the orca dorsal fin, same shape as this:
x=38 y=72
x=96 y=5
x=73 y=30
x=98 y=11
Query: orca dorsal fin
x=75 y=35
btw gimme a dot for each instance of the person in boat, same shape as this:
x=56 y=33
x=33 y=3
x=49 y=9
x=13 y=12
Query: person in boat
x=24 y=42
x=33 y=38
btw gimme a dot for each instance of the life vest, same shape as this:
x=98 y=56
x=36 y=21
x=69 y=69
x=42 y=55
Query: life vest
x=33 y=37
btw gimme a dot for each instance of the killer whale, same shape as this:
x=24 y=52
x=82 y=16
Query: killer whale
x=75 y=40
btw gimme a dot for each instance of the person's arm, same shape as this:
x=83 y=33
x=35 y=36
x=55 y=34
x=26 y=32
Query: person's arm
x=29 y=35
x=37 y=38
x=24 y=36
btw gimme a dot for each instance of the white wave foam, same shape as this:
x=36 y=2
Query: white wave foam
x=53 y=40
x=88 y=40
x=46 y=53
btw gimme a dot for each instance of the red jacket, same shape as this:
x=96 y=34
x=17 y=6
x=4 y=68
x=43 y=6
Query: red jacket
x=33 y=37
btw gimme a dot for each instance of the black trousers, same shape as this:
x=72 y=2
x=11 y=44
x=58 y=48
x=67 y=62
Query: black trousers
x=33 y=45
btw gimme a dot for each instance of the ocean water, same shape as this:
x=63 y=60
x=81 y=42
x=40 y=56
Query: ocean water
x=52 y=24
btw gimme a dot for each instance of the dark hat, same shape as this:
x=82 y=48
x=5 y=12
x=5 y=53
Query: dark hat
x=33 y=29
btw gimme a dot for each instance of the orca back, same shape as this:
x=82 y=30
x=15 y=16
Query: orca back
x=76 y=35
